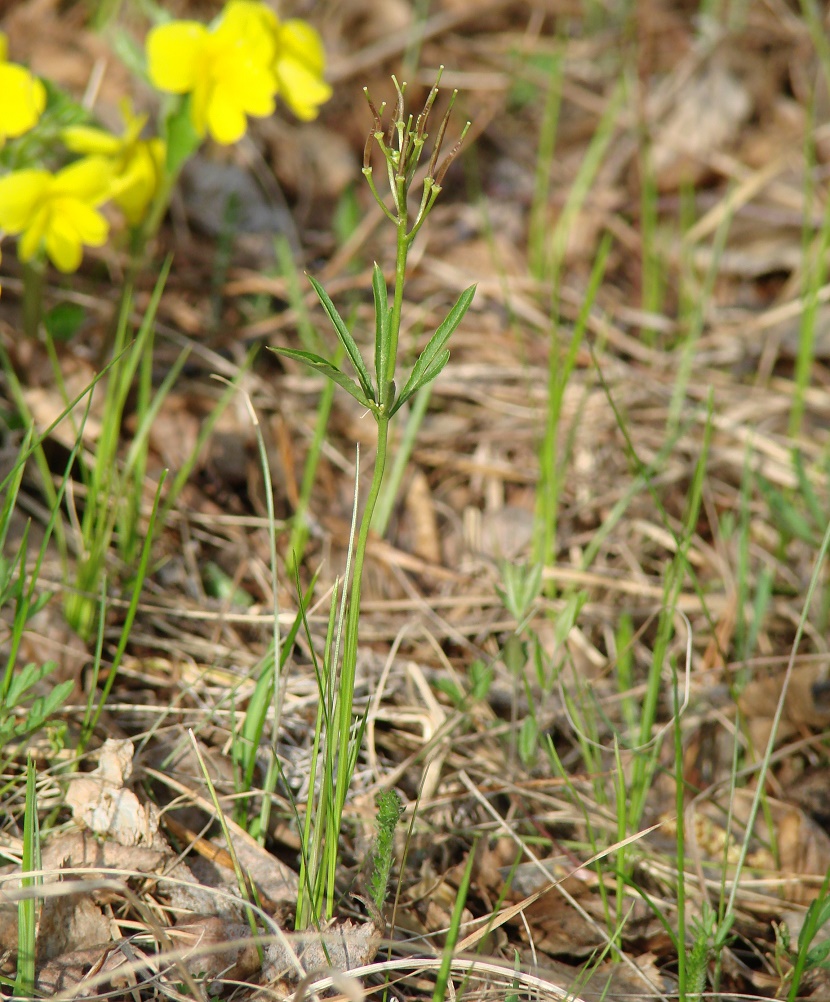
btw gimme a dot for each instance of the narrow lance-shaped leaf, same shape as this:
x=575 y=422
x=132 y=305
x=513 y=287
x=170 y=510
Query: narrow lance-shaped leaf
x=427 y=377
x=182 y=139
x=346 y=339
x=327 y=369
x=435 y=347
x=380 y=294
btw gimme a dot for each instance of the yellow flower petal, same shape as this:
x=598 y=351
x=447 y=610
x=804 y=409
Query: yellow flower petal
x=73 y=224
x=64 y=249
x=228 y=69
x=225 y=119
x=136 y=186
x=23 y=100
x=56 y=210
x=301 y=90
x=81 y=220
x=88 y=180
x=253 y=91
x=252 y=25
x=33 y=236
x=133 y=124
x=20 y=194
x=85 y=139
x=130 y=167
x=299 y=69
x=298 y=40
x=175 y=53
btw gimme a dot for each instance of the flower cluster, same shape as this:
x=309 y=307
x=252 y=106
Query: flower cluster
x=135 y=164
x=224 y=72
x=238 y=66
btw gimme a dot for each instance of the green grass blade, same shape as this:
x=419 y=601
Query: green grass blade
x=439 y=994
x=24 y=985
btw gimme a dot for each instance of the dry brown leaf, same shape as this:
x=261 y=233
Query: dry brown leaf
x=803 y=850
x=204 y=941
x=48 y=637
x=427 y=906
x=47 y=405
x=802 y=847
x=610 y=982
x=759 y=701
x=557 y=928
x=706 y=116
x=506 y=532
x=70 y=922
x=421 y=524
x=83 y=850
x=100 y=802
x=347 y=945
x=68 y=972
x=174 y=431
x=276 y=882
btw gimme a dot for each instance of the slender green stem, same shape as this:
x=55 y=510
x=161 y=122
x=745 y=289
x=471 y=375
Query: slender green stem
x=680 y=794
x=34 y=273
x=403 y=448
x=397 y=305
x=345 y=696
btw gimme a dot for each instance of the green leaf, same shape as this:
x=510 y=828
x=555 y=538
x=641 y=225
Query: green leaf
x=807 y=492
x=182 y=139
x=64 y=321
x=44 y=706
x=346 y=339
x=220 y=585
x=786 y=518
x=451 y=690
x=327 y=369
x=817 y=954
x=381 y=296
x=24 y=679
x=528 y=741
x=425 y=377
x=434 y=357
x=481 y=678
x=817 y=915
x=61 y=109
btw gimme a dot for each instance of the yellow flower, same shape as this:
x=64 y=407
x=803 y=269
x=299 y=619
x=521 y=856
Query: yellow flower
x=57 y=211
x=228 y=69
x=136 y=164
x=301 y=60
x=23 y=97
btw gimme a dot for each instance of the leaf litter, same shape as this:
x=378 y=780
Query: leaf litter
x=157 y=904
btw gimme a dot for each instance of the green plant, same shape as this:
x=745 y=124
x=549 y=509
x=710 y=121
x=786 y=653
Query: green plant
x=24 y=984
x=401 y=147
x=390 y=809
x=114 y=489
x=18 y=586
x=812 y=952
x=442 y=980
